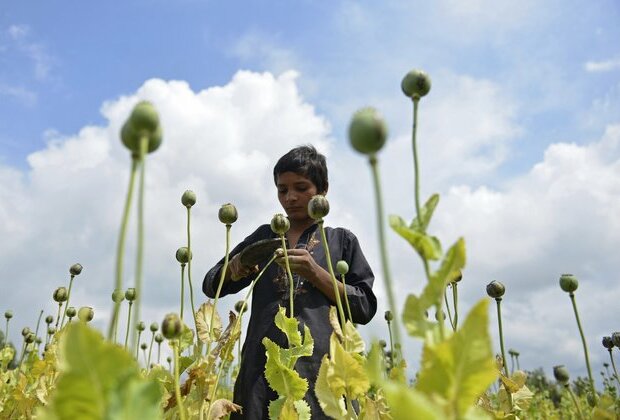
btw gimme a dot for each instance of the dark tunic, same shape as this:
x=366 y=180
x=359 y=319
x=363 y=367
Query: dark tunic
x=252 y=391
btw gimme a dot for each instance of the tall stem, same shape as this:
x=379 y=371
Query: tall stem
x=138 y=344
x=148 y=362
x=189 y=269
x=128 y=323
x=346 y=297
x=613 y=364
x=6 y=333
x=583 y=341
x=416 y=167
x=36 y=331
x=144 y=142
x=455 y=301
x=182 y=287
x=387 y=279
x=158 y=353
x=334 y=282
x=445 y=299
x=501 y=334
x=290 y=278
x=389 y=324
x=120 y=248
x=219 y=287
x=572 y=395
x=177 y=389
x=67 y=304
x=58 y=315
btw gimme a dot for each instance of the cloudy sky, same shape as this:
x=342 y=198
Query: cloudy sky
x=520 y=135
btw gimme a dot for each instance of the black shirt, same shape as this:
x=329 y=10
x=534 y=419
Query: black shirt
x=311 y=307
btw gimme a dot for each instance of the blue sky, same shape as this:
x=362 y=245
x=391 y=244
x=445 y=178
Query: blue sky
x=520 y=134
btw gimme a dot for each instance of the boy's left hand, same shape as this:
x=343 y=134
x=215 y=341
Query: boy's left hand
x=301 y=262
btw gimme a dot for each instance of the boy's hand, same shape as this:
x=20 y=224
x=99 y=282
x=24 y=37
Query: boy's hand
x=238 y=270
x=301 y=262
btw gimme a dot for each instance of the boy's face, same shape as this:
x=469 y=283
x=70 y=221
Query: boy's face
x=294 y=193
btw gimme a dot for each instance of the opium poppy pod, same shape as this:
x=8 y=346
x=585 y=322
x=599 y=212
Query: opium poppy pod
x=608 y=343
x=75 y=269
x=25 y=331
x=154 y=327
x=280 y=224
x=60 y=294
x=568 y=283
x=367 y=131
x=71 y=311
x=239 y=305
x=495 y=289
x=171 y=326
x=342 y=267
x=388 y=316
x=49 y=319
x=130 y=294
x=86 y=314
x=416 y=84
x=141 y=326
x=8 y=314
x=318 y=207
x=561 y=374
x=227 y=214
x=143 y=121
x=118 y=296
x=183 y=255
x=615 y=337
x=188 y=199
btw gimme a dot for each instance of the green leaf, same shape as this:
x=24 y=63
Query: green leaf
x=289 y=356
x=426 y=213
x=459 y=369
x=289 y=326
x=407 y=403
x=428 y=247
x=184 y=363
x=136 y=399
x=6 y=355
x=282 y=379
x=453 y=261
x=186 y=339
x=414 y=314
x=332 y=403
x=303 y=409
x=275 y=408
x=345 y=373
x=375 y=364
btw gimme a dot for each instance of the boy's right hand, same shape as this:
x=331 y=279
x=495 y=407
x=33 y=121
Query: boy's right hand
x=238 y=270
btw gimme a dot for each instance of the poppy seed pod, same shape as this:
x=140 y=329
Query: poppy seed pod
x=143 y=346
x=569 y=283
x=118 y=296
x=382 y=343
x=38 y=340
x=75 y=269
x=159 y=338
x=168 y=359
x=144 y=116
x=30 y=338
x=60 y=294
x=154 y=326
x=318 y=207
x=141 y=326
x=183 y=255
x=561 y=374
x=367 y=131
x=25 y=331
x=227 y=214
x=86 y=314
x=440 y=316
x=608 y=343
x=188 y=199
x=495 y=289
x=239 y=305
x=130 y=294
x=280 y=224
x=458 y=276
x=416 y=84
x=49 y=319
x=171 y=326
x=388 y=316
x=342 y=267
x=8 y=314
x=615 y=337
x=71 y=311
x=51 y=330
x=142 y=121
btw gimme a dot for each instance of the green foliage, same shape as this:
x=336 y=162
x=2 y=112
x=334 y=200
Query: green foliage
x=428 y=247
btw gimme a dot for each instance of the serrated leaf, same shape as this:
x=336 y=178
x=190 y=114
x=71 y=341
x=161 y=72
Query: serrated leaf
x=375 y=364
x=414 y=314
x=375 y=408
x=426 y=213
x=303 y=409
x=345 y=373
x=203 y=322
x=186 y=339
x=331 y=403
x=354 y=341
x=136 y=399
x=289 y=356
x=428 y=247
x=221 y=408
x=407 y=403
x=462 y=367
x=453 y=261
x=282 y=379
x=275 y=408
x=289 y=326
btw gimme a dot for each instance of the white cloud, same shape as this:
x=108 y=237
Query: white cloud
x=263 y=49
x=602 y=66
x=42 y=61
x=20 y=94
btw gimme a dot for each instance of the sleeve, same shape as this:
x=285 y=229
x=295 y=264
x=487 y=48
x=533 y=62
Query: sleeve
x=359 y=281
x=212 y=278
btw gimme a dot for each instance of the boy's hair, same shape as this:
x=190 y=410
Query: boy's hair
x=306 y=161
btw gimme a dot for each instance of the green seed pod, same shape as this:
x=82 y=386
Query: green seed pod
x=51 y=330
x=495 y=289
x=46 y=348
x=569 y=283
x=168 y=359
x=388 y=316
x=382 y=343
x=86 y=314
x=71 y=311
x=118 y=296
x=159 y=338
x=608 y=343
x=367 y=131
x=143 y=346
x=318 y=207
x=592 y=399
x=188 y=199
x=239 y=305
x=8 y=314
x=130 y=294
x=227 y=214
x=25 y=331
x=75 y=269
x=143 y=121
x=171 y=326
x=30 y=338
x=38 y=340
x=440 y=316
x=561 y=374
x=416 y=84
x=342 y=267
x=458 y=276
x=141 y=326
x=615 y=337
x=49 y=319
x=154 y=327
x=183 y=255
x=60 y=294
x=280 y=224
